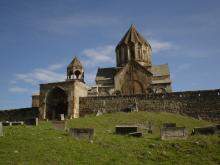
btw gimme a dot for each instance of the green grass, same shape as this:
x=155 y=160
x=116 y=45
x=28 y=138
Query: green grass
x=44 y=145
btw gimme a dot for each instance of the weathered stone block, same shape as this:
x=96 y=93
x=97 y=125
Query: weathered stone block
x=17 y=123
x=1 y=129
x=62 y=118
x=59 y=125
x=82 y=133
x=169 y=133
x=125 y=129
x=168 y=125
x=99 y=113
x=208 y=130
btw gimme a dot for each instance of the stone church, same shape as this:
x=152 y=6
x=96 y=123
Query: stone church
x=134 y=74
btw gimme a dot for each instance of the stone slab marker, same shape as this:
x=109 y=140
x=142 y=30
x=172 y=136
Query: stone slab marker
x=169 y=125
x=208 y=130
x=1 y=129
x=62 y=118
x=169 y=133
x=82 y=133
x=59 y=125
x=125 y=129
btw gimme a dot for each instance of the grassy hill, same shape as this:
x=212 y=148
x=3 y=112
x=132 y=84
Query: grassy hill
x=44 y=145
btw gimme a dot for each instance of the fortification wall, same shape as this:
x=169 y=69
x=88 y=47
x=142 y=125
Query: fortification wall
x=198 y=104
x=19 y=114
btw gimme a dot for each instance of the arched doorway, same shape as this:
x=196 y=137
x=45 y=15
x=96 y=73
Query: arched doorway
x=56 y=103
x=132 y=88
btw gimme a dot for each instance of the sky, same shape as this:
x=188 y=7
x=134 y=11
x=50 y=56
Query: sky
x=38 y=39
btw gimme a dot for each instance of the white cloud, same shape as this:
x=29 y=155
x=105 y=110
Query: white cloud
x=55 y=66
x=42 y=75
x=159 y=46
x=100 y=54
x=94 y=57
x=18 y=89
x=13 y=82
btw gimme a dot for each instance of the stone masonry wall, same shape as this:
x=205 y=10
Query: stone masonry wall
x=19 y=114
x=198 y=104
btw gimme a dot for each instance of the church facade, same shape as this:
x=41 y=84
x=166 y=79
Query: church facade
x=134 y=74
x=62 y=97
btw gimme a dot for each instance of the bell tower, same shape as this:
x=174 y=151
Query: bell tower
x=133 y=47
x=75 y=70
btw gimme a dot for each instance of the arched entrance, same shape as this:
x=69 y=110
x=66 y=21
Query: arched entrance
x=132 y=88
x=56 y=103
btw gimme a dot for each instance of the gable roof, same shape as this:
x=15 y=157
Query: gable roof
x=160 y=70
x=105 y=73
x=135 y=64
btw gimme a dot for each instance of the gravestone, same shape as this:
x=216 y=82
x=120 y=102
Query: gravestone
x=1 y=129
x=169 y=133
x=125 y=129
x=82 y=133
x=62 y=118
x=59 y=125
x=17 y=123
x=208 y=130
x=99 y=113
x=168 y=125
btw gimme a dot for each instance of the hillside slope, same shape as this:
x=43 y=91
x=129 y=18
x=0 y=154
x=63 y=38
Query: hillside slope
x=44 y=145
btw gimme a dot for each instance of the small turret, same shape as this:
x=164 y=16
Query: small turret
x=75 y=70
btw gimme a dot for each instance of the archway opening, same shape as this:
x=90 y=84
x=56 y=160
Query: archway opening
x=132 y=88
x=77 y=74
x=56 y=103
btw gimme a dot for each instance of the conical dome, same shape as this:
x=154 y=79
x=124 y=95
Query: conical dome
x=133 y=47
x=75 y=62
x=132 y=36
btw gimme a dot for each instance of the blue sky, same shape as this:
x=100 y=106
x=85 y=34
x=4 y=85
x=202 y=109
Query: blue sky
x=38 y=39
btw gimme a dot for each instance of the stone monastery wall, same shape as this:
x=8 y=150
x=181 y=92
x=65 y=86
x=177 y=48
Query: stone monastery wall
x=198 y=104
x=19 y=114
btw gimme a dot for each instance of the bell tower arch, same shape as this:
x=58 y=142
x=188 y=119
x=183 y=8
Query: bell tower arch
x=75 y=70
